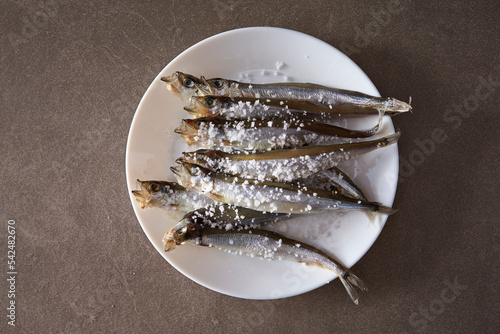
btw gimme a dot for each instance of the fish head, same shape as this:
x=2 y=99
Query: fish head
x=153 y=192
x=200 y=157
x=184 y=231
x=205 y=106
x=182 y=85
x=216 y=86
x=200 y=130
x=194 y=177
x=189 y=131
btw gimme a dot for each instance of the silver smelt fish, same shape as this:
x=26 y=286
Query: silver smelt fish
x=262 y=244
x=264 y=135
x=173 y=196
x=248 y=108
x=275 y=197
x=169 y=196
x=284 y=165
x=288 y=91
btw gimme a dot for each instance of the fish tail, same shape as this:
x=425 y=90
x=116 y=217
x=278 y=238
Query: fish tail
x=350 y=290
x=390 y=139
x=385 y=210
x=349 y=280
x=380 y=209
x=353 y=279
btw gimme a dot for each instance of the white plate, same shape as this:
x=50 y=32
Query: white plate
x=256 y=54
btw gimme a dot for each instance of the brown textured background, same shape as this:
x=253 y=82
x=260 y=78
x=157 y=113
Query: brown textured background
x=72 y=74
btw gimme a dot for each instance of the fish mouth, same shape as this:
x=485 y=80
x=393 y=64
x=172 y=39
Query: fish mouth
x=187 y=127
x=187 y=131
x=142 y=197
x=168 y=241
x=170 y=78
x=176 y=169
x=190 y=109
x=180 y=130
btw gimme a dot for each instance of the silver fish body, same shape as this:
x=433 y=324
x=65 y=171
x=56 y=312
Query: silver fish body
x=274 y=197
x=263 y=135
x=250 y=108
x=311 y=93
x=316 y=94
x=284 y=165
x=229 y=217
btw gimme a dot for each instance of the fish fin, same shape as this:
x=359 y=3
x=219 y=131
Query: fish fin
x=381 y=113
x=391 y=139
x=380 y=209
x=385 y=209
x=217 y=197
x=207 y=89
x=370 y=215
x=356 y=281
x=349 y=286
x=349 y=280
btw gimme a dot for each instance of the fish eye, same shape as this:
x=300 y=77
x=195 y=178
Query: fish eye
x=189 y=83
x=210 y=102
x=155 y=187
x=217 y=83
x=182 y=231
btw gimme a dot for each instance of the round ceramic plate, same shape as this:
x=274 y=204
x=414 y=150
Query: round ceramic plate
x=259 y=55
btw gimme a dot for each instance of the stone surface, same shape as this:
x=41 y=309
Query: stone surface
x=73 y=74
